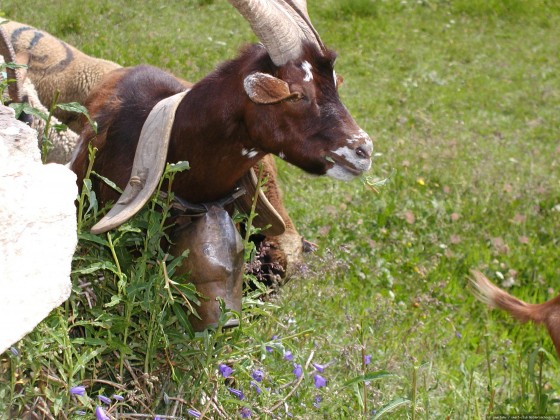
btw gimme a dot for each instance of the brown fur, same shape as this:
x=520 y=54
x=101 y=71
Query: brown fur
x=286 y=249
x=215 y=122
x=81 y=75
x=547 y=313
x=56 y=66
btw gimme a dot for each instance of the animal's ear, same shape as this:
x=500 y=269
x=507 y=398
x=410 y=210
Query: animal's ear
x=263 y=88
x=339 y=81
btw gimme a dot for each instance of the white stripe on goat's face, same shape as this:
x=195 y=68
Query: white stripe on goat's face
x=334 y=78
x=361 y=136
x=306 y=67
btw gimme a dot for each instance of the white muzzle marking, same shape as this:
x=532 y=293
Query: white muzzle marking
x=351 y=161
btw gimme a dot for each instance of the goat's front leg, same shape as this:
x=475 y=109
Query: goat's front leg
x=284 y=250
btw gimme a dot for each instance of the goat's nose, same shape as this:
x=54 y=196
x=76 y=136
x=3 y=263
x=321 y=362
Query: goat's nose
x=362 y=152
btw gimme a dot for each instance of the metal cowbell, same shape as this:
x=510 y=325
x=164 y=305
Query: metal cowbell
x=214 y=264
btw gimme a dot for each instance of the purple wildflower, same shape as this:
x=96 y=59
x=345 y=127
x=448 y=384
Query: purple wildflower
x=288 y=355
x=319 y=381
x=245 y=413
x=367 y=359
x=458 y=334
x=256 y=386
x=118 y=397
x=238 y=393
x=100 y=414
x=104 y=399
x=157 y=418
x=298 y=370
x=225 y=370
x=269 y=348
x=14 y=351
x=319 y=367
x=194 y=413
x=78 y=390
x=317 y=401
x=257 y=375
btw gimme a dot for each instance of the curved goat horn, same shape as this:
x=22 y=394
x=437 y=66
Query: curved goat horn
x=300 y=7
x=7 y=51
x=281 y=25
x=148 y=166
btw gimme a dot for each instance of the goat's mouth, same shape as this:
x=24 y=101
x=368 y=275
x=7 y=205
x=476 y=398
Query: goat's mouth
x=343 y=170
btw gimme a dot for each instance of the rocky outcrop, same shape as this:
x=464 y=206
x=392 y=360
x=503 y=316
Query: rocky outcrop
x=37 y=231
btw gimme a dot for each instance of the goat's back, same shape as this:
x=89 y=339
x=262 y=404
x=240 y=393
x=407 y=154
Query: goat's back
x=120 y=106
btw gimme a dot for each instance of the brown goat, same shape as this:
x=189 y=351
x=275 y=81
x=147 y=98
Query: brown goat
x=268 y=100
x=547 y=313
x=57 y=66
x=223 y=135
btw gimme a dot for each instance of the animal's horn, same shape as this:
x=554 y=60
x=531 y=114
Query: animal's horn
x=267 y=218
x=282 y=26
x=7 y=51
x=148 y=166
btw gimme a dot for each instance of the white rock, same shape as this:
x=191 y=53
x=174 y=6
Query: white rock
x=37 y=231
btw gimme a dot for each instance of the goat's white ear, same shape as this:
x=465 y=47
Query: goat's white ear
x=263 y=88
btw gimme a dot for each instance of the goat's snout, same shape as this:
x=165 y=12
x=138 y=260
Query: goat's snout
x=353 y=159
x=363 y=145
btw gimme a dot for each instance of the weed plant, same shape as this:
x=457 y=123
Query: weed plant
x=462 y=99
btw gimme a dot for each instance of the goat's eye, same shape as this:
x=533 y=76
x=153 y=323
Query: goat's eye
x=297 y=96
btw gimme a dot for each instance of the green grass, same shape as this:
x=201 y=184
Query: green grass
x=462 y=99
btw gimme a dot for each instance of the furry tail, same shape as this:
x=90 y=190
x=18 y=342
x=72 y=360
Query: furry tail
x=547 y=313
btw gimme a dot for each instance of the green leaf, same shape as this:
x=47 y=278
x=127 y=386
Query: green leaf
x=115 y=300
x=390 y=406
x=359 y=395
x=182 y=318
x=107 y=181
x=98 y=266
x=177 y=167
x=14 y=66
x=86 y=236
x=60 y=127
x=29 y=110
x=89 y=341
x=73 y=107
x=84 y=359
x=80 y=109
x=375 y=182
x=171 y=265
x=368 y=377
x=189 y=290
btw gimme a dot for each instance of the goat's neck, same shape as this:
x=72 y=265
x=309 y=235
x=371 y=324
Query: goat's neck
x=219 y=151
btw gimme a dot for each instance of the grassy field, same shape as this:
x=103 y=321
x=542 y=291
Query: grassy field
x=462 y=99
